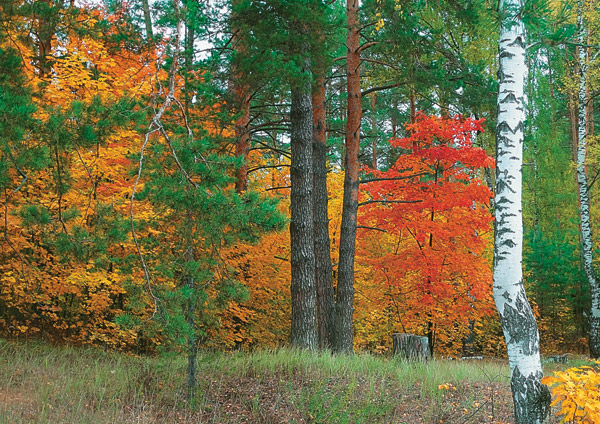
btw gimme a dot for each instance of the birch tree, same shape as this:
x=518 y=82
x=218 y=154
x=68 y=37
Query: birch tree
x=531 y=398
x=587 y=249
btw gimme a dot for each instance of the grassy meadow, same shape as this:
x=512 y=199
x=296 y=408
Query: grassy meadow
x=40 y=383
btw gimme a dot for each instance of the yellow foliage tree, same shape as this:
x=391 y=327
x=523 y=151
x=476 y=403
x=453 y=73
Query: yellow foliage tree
x=576 y=392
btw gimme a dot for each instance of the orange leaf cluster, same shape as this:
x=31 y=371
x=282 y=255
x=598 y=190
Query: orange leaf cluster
x=430 y=256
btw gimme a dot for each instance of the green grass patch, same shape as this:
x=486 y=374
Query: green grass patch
x=47 y=384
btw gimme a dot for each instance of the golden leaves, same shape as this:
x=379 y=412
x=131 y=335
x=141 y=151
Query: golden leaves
x=576 y=392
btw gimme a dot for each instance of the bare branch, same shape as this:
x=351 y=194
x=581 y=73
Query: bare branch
x=278 y=188
x=381 y=88
x=379 y=62
x=183 y=171
x=368 y=202
x=373 y=180
x=155 y=126
x=371 y=228
x=267 y=167
x=366 y=46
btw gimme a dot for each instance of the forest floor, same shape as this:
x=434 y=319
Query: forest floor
x=40 y=383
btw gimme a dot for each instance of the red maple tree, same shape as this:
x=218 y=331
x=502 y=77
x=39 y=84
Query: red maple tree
x=433 y=208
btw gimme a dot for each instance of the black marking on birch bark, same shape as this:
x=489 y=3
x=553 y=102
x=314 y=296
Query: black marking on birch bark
x=520 y=325
x=509 y=243
x=503 y=200
x=504 y=141
x=594 y=341
x=506 y=54
x=506 y=295
x=501 y=76
x=504 y=77
x=531 y=397
x=504 y=127
x=503 y=231
x=509 y=98
x=500 y=186
x=498 y=257
x=518 y=42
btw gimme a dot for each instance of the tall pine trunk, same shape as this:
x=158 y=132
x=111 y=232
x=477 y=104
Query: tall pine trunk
x=242 y=136
x=587 y=248
x=531 y=398
x=345 y=287
x=241 y=100
x=47 y=19
x=323 y=268
x=304 y=318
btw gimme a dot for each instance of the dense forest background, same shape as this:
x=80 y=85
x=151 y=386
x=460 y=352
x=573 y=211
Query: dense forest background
x=146 y=163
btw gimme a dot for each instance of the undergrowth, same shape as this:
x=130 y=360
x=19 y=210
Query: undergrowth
x=47 y=384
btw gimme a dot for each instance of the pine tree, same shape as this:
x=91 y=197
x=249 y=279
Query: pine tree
x=186 y=177
x=345 y=287
x=323 y=267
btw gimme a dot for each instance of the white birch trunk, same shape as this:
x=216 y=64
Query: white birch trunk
x=531 y=398
x=584 y=198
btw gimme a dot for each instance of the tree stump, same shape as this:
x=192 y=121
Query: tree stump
x=410 y=346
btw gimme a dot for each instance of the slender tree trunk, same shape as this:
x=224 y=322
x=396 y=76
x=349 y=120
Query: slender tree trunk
x=531 y=398
x=587 y=247
x=374 y=131
x=241 y=99
x=190 y=283
x=413 y=106
x=304 y=318
x=573 y=121
x=147 y=18
x=46 y=28
x=394 y=123
x=345 y=288
x=191 y=320
x=323 y=268
x=242 y=135
x=189 y=63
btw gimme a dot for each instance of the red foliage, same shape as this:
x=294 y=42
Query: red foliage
x=433 y=207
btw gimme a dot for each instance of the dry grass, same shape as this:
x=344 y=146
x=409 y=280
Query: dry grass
x=44 y=384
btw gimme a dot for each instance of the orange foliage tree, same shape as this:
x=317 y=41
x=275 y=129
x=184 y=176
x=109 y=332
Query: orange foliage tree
x=64 y=225
x=426 y=233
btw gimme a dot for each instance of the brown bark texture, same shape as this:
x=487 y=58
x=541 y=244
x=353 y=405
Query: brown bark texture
x=345 y=289
x=45 y=32
x=304 y=318
x=241 y=100
x=323 y=268
x=413 y=106
x=147 y=18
